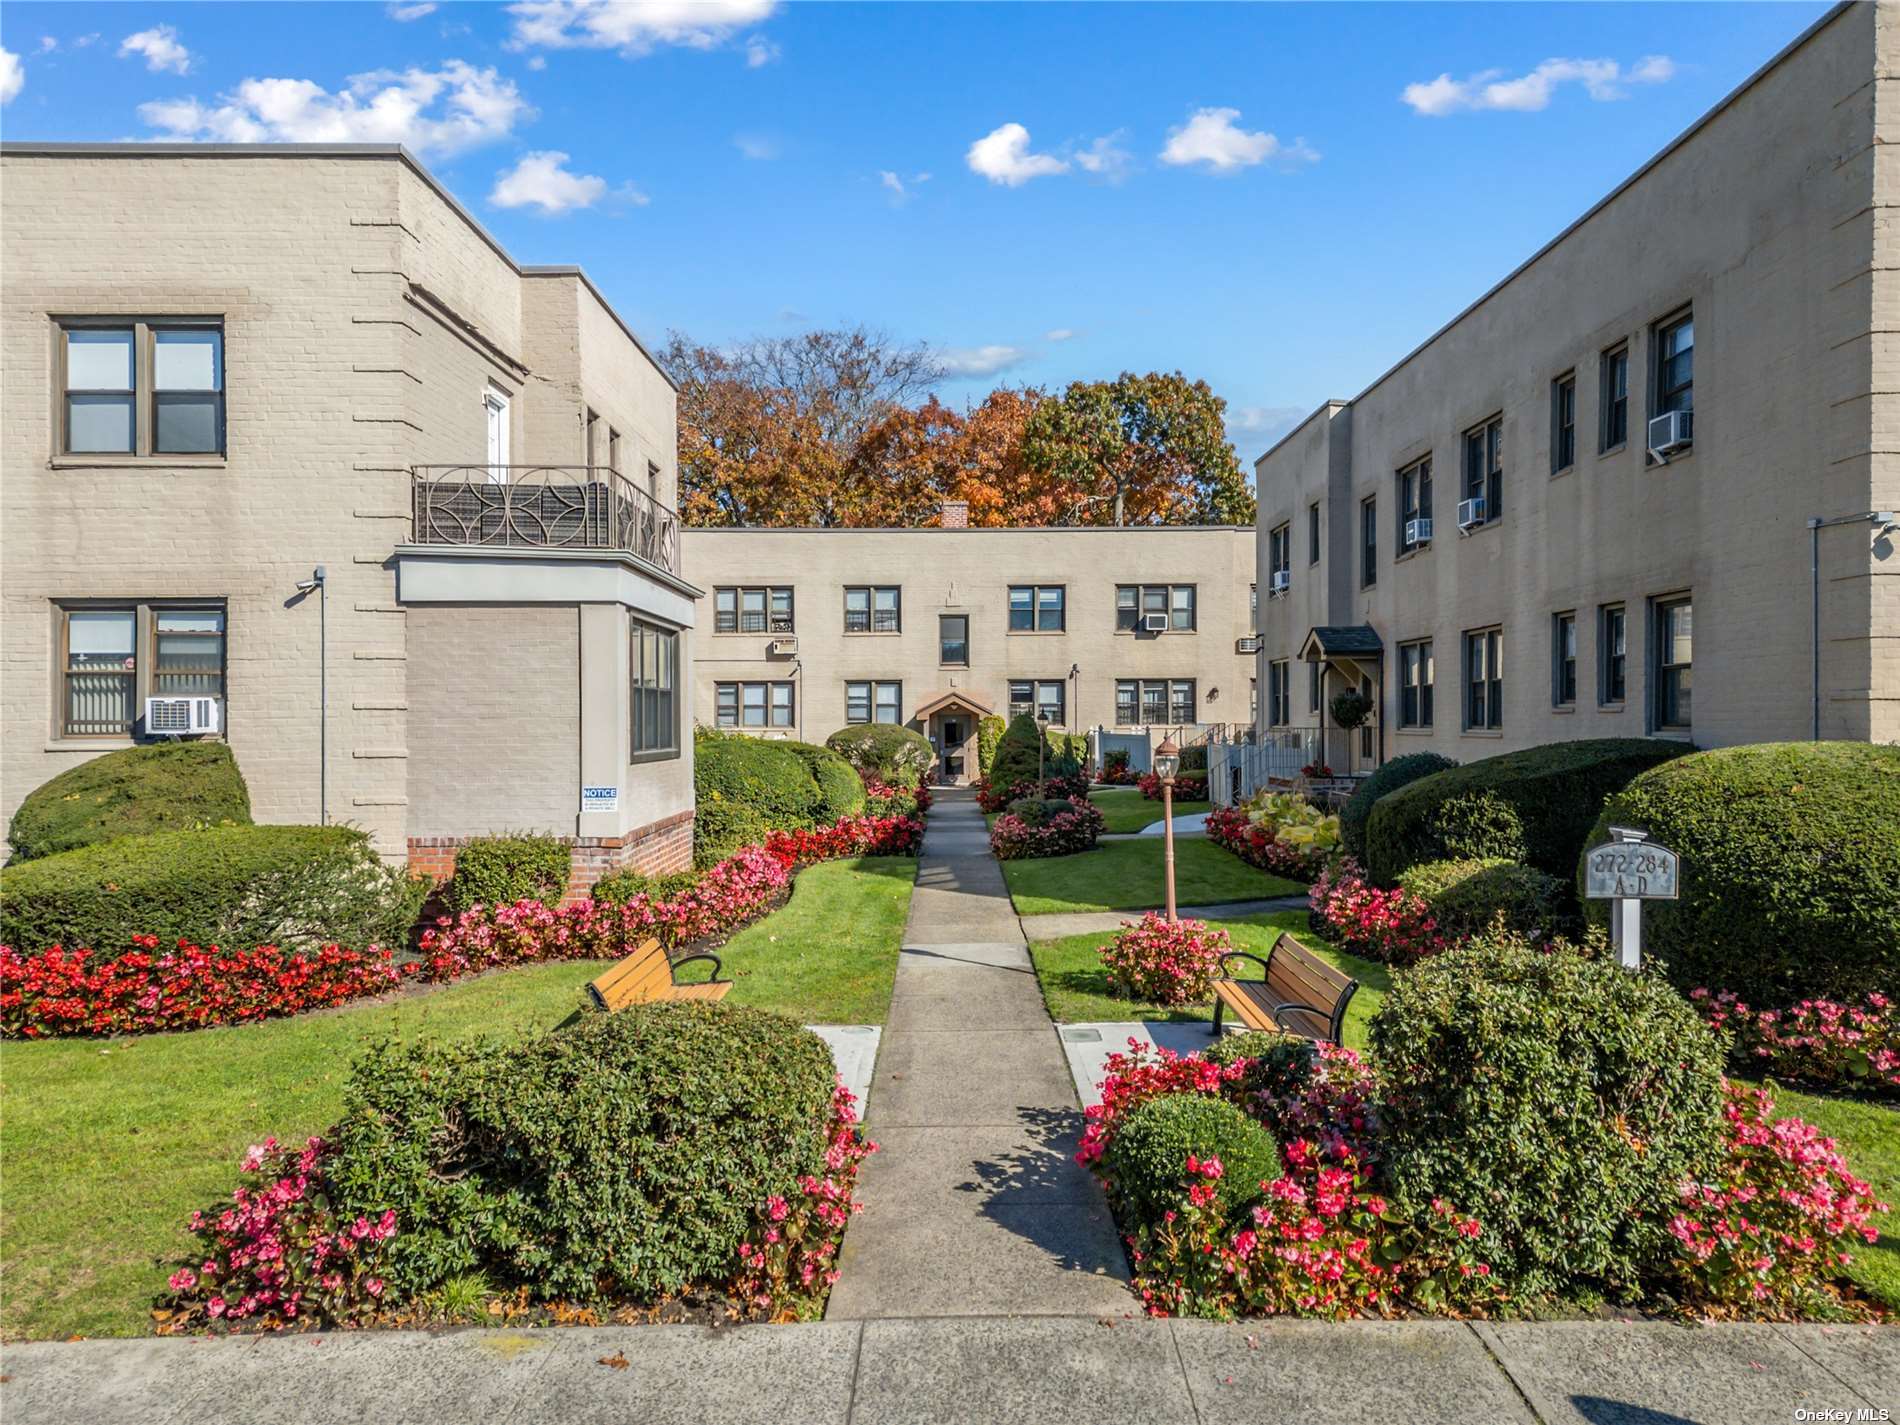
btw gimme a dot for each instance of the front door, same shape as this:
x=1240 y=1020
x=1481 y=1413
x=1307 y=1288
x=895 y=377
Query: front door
x=950 y=748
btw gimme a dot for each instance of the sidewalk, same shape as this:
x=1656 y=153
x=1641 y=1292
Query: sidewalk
x=976 y=1206
x=981 y=1370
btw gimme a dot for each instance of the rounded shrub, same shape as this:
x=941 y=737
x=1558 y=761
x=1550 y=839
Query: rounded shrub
x=767 y=776
x=1556 y=1098
x=1790 y=882
x=168 y=786
x=620 y=1155
x=1467 y=896
x=500 y=870
x=840 y=789
x=721 y=828
x=1147 y=1159
x=298 y=887
x=897 y=756
x=1535 y=806
x=1387 y=778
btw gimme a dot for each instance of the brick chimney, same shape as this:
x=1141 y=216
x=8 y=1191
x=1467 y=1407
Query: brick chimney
x=956 y=514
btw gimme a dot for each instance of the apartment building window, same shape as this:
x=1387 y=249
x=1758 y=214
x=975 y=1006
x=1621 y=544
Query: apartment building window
x=1040 y=698
x=953 y=640
x=653 y=661
x=613 y=448
x=753 y=704
x=113 y=656
x=1279 y=684
x=1253 y=608
x=142 y=388
x=1368 y=542
x=1415 y=683
x=1135 y=604
x=1563 y=422
x=1153 y=700
x=1415 y=504
x=1673 y=627
x=1484 y=679
x=1563 y=660
x=1279 y=559
x=1675 y=365
x=1038 y=608
x=1612 y=653
x=872 y=608
x=1312 y=533
x=753 y=610
x=1314 y=675
x=653 y=482
x=1484 y=467
x=1613 y=398
x=874 y=702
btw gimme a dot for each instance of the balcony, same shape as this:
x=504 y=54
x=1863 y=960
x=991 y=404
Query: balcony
x=578 y=507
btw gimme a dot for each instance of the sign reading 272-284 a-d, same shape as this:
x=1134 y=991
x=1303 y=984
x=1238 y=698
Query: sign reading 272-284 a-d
x=1630 y=870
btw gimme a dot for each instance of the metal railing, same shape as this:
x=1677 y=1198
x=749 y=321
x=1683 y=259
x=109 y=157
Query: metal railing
x=542 y=507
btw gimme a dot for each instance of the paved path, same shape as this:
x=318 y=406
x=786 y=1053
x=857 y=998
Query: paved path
x=1112 y=1369
x=976 y=1206
x=1094 y=922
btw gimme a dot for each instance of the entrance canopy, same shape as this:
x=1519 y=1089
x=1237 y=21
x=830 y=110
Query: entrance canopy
x=1355 y=648
x=956 y=700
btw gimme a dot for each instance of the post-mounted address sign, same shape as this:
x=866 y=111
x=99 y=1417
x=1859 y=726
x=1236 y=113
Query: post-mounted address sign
x=1628 y=871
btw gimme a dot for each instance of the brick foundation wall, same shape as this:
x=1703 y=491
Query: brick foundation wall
x=655 y=849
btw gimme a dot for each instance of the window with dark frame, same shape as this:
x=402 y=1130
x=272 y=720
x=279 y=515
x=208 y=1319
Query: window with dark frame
x=873 y=608
x=114 y=656
x=1279 y=689
x=753 y=609
x=142 y=387
x=1038 y=608
x=1563 y=660
x=653 y=662
x=1563 y=422
x=1314 y=677
x=1673 y=625
x=613 y=448
x=1154 y=701
x=1280 y=558
x=1675 y=365
x=1614 y=398
x=953 y=640
x=1415 y=683
x=874 y=701
x=1415 y=500
x=1368 y=541
x=1484 y=679
x=590 y=425
x=1612 y=654
x=1312 y=533
x=1134 y=602
x=754 y=704
x=1484 y=466
x=1037 y=696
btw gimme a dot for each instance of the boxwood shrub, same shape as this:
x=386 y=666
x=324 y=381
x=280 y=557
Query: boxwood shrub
x=840 y=790
x=1556 y=1098
x=620 y=1155
x=299 y=887
x=169 y=786
x=1790 y=869
x=500 y=870
x=1535 y=806
x=1467 y=896
x=619 y=887
x=897 y=756
x=1387 y=778
x=989 y=736
x=1146 y=1162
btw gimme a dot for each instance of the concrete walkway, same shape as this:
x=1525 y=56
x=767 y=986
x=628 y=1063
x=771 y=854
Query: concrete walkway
x=976 y=1206
x=1114 y=1370
x=1100 y=922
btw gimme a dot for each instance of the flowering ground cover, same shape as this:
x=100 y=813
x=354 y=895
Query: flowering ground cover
x=1127 y=875
x=1075 y=984
x=1126 y=809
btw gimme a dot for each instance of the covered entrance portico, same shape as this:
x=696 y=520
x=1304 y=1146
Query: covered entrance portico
x=949 y=720
x=1349 y=656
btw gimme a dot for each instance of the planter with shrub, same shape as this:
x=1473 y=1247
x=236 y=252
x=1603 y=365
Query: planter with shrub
x=499 y=870
x=1467 y=897
x=1790 y=881
x=1046 y=827
x=136 y=791
x=1388 y=777
x=896 y=756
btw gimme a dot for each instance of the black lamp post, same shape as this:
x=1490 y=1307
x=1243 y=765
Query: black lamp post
x=1042 y=745
x=1167 y=760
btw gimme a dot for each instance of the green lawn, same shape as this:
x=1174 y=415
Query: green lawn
x=1126 y=809
x=109 y=1146
x=1075 y=987
x=1127 y=875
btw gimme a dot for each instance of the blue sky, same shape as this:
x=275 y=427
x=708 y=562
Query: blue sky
x=1282 y=199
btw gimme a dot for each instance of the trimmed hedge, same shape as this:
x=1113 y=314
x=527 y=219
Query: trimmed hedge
x=840 y=790
x=1790 y=869
x=1147 y=1158
x=298 y=887
x=500 y=870
x=989 y=736
x=619 y=887
x=1467 y=896
x=622 y=1155
x=169 y=786
x=1556 y=1098
x=1535 y=806
x=897 y=756
x=1386 y=779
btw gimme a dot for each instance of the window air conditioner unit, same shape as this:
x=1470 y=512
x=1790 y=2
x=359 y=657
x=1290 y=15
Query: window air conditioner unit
x=1247 y=643
x=1282 y=578
x=1471 y=512
x=182 y=717
x=1154 y=623
x=1420 y=531
x=1670 y=432
x=782 y=647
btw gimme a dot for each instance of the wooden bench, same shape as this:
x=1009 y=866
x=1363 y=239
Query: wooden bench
x=647 y=974
x=1299 y=993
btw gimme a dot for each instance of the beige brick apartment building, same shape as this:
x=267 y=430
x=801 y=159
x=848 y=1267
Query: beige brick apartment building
x=1617 y=455
x=936 y=628
x=227 y=367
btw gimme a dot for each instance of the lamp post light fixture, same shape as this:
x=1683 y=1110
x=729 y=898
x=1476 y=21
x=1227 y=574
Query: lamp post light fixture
x=1042 y=745
x=1167 y=761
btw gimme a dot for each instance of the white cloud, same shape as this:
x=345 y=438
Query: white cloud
x=1105 y=158
x=634 y=27
x=756 y=146
x=1601 y=79
x=759 y=52
x=1003 y=156
x=84 y=40
x=48 y=44
x=12 y=77
x=1211 y=138
x=901 y=191
x=1059 y=334
x=1253 y=429
x=430 y=111
x=160 y=47
x=403 y=14
x=979 y=360
x=540 y=180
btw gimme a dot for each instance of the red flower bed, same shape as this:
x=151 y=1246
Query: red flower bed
x=1013 y=838
x=992 y=798
x=1165 y=964
x=1190 y=788
x=882 y=799
x=1232 y=828
x=851 y=836
x=1395 y=926
x=1817 y=1041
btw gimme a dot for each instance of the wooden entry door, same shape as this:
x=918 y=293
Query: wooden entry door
x=951 y=736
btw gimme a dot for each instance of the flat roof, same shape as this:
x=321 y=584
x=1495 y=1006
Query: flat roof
x=40 y=148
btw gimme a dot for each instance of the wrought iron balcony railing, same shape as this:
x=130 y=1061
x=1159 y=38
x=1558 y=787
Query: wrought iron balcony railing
x=542 y=507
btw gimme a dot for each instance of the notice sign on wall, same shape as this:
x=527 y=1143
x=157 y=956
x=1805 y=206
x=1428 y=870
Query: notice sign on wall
x=600 y=799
